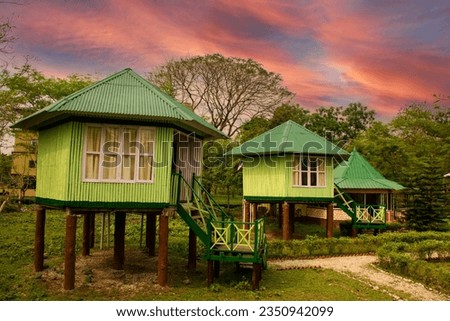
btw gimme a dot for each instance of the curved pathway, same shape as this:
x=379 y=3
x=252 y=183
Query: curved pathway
x=364 y=269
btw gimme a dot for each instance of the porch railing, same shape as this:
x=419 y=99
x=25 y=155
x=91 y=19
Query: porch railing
x=371 y=214
x=234 y=236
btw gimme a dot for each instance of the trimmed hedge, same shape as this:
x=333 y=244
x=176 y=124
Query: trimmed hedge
x=410 y=260
x=316 y=246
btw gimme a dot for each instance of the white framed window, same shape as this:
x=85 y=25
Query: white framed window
x=118 y=153
x=309 y=171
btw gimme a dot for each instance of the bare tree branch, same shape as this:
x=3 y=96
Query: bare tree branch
x=226 y=91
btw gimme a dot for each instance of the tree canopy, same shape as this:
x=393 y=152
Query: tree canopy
x=25 y=90
x=227 y=91
x=414 y=150
x=338 y=124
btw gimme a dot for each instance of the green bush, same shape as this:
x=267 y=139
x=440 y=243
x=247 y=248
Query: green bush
x=409 y=259
x=316 y=246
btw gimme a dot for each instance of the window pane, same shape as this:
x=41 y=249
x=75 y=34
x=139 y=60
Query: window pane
x=112 y=140
x=147 y=139
x=304 y=163
x=130 y=141
x=304 y=179
x=128 y=165
x=92 y=166
x=313 y=181
x=93 y=139
x=145 y=168
x=110 y=167
x=313 y=163
x=321 y=163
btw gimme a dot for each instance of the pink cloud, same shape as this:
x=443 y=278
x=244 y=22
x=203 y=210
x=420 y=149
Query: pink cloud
x=328 y=52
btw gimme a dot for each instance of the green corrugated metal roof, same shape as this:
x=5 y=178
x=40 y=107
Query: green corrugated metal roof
x=123 y=95
x=288 y=137
x=357 y=173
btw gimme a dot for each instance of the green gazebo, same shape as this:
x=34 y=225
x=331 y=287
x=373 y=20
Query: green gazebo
x=371 y=192
x=122 y=146
x=288 y=165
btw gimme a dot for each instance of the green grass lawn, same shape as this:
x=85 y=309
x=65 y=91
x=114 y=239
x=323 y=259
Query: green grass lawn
x=97 y=281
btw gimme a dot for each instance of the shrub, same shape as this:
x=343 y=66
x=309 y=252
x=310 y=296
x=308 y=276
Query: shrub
x=408 y=259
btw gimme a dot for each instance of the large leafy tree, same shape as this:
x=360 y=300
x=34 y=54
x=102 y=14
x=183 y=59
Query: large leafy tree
x=341 y=124
x=25 y=90
x=287 y=112
x=414 y=149
x=225 y=90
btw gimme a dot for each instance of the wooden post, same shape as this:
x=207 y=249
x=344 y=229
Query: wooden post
x=246 y=211
x=163 y=248
x=92 y=231
x=86 y=234
x=292 y=217
x=287 y=234
x=39 y=239
x=280 y=215
x=330 y=223
x=119 y=240
x=254 y=212
x=150 y=234
x=69 y=257
x=210 y=272
x=256 y=276
x=192 y=257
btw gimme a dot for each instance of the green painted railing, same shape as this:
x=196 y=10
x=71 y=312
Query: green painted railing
x=371 y=214
x=225 y=238
x=231 y=237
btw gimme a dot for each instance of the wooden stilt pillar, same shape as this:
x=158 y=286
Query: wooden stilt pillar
x=354 y=232
x=92 y=231
x=86 y=235
x=254 y=212
x=256 y=276
x=69 y=257
x=246 y=211
x=150 y=234
x=280 y=215
x=287 y=234
x=330 y=223
x=210 y=272
x=192 y=258
x=39 y=239
x=292 y=217
x=163 y=248
x=119 y=240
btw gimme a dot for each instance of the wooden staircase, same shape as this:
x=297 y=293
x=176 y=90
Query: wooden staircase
x=225 y=239
x=363 y=217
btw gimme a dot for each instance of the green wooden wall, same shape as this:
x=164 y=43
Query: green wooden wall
x=53 y=162
x=59 y=175
x=267 y=178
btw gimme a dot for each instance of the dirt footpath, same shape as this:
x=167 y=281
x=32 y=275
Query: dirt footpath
x=364 y=269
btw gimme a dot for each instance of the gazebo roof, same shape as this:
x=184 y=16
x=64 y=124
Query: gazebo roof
x=288 y=137
x=124 y=95
x=357 y=173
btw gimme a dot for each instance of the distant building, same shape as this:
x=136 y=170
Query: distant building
x=24 y=163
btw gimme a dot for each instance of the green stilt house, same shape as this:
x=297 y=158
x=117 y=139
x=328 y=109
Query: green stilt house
x=365 y=192
x=288 y=165
x=122 y=146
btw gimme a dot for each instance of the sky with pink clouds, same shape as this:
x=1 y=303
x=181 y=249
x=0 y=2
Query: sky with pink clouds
x=385 y=54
